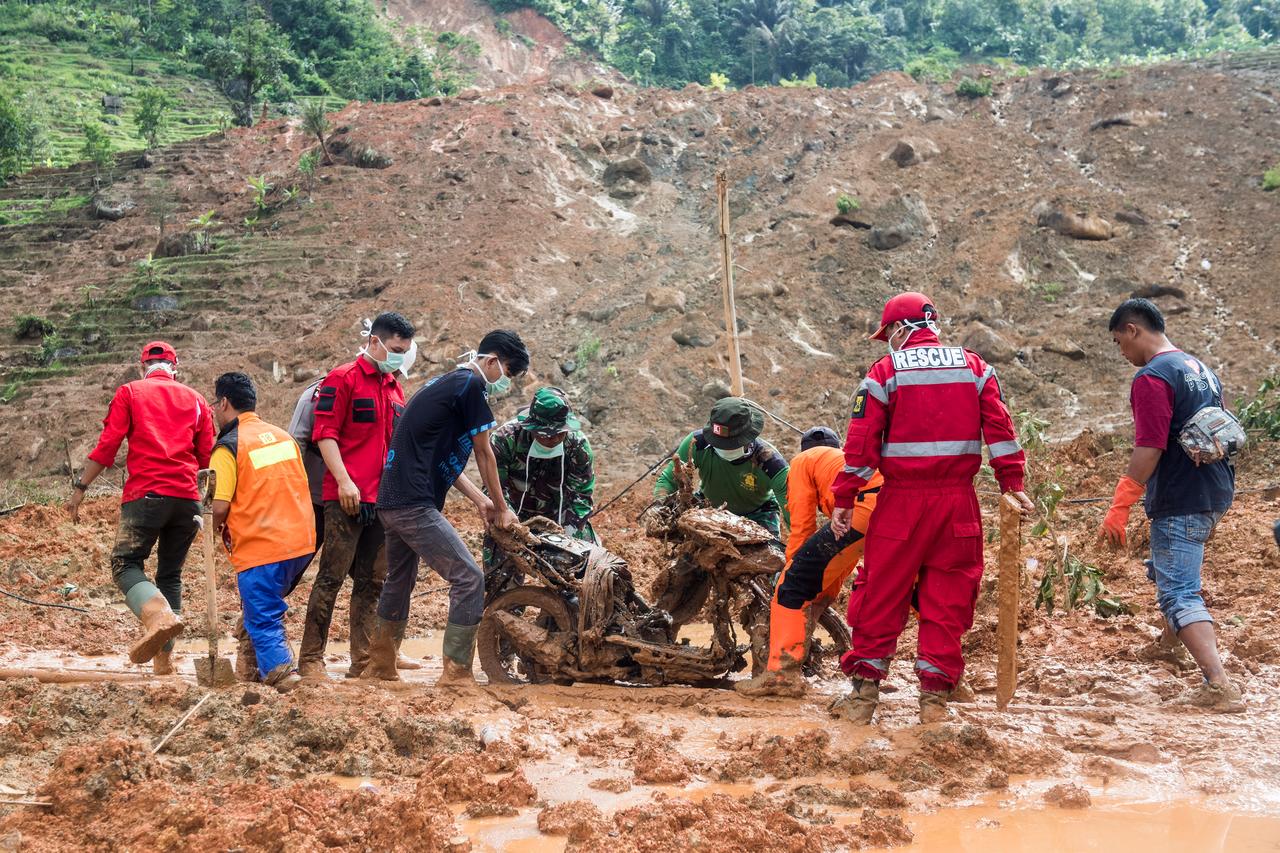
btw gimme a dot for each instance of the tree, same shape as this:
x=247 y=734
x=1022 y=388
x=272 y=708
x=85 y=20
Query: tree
x=153 y=114
x=247 y=62
x=125 y=31
x=316 y=122
x=21 y=137
x=97 y=149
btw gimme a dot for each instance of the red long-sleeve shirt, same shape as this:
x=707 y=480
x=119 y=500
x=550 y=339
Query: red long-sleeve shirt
x=922 y=415
x=170 y=431
x=358 y=407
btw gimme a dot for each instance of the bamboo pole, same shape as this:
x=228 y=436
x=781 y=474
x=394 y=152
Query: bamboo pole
x=61 y=676
x=726 y=284
x=1008 y=583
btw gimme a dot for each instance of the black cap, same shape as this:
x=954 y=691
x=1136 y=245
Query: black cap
x=819 y=437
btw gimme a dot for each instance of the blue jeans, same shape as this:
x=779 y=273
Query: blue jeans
x=262 y=592
x=1177 y=554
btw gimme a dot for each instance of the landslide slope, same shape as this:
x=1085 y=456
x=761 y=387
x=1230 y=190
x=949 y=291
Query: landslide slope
x=589 y=224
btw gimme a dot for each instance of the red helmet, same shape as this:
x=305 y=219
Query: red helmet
x=904 y=306
x=159 y=351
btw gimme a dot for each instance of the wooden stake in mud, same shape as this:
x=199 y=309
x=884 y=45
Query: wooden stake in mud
x=1008 y=584
x=726 y=283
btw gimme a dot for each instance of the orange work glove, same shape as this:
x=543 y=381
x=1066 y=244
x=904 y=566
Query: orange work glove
x=1128 y=492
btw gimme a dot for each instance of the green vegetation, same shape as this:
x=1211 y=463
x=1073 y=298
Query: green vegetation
x=588 y=350
x=971 y=88
x=1271 y=178
x=316 y=122
x=153 y=114
x=846 y=204
x=60 y=58
x=1262 y=413
x=1081 y=585
x=21 y=137
x=97 y=148
x=30 y=326
x=27 y=211
x=674 y=42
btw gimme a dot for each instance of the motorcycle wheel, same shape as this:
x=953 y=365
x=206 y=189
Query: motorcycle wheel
x=830 y=641
x=499 y=658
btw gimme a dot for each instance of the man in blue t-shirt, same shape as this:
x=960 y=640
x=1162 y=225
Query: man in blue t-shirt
x=442 y=424
x=1183 y=500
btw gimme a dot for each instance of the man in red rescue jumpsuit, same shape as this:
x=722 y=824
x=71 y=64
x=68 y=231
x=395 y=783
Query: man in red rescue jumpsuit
x=920 y=417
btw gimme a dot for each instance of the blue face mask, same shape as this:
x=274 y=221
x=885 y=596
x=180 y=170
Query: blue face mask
x=538 y=450
x=731 y=455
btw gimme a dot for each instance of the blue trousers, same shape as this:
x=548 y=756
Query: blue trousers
x=262 y=592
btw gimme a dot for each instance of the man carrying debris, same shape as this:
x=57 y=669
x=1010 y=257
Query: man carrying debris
x=546 y=465
x=262 y=508
x=444 y=421
x=170 y=433
x=736 y=468
x=920 y=417
x=356 y=411
x=818 y=563
x=1183 y=498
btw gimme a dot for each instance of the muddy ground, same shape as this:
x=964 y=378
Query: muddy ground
x=1087 y=753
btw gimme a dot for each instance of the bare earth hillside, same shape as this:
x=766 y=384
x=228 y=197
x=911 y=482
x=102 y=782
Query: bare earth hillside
x=580 y=219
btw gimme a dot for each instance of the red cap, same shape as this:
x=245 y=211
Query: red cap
x=158 y=351
x=904 y=306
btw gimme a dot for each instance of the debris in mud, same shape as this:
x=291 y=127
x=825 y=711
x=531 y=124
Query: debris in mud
x=1068 y=796
x=612 y=784
x=578 y=819
x=655 y=763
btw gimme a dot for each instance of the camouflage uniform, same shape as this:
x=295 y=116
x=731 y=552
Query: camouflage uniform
x=559 y=488
x=533 y=486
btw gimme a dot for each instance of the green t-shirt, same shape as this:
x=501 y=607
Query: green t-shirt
x=741 y=485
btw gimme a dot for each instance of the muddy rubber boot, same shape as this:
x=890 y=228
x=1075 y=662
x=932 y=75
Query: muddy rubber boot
x=858 y=705
x=283 y=678
x=962 y=693
x=382 y=650
x=159 y=624
x=246 y=657
x=459 y=652
x=162 y=663
x=788 y=644
x=1217 y=697
x=403 y=662
x=788 y=682
x=361 y=635
x=933 y=706
x=312 y=670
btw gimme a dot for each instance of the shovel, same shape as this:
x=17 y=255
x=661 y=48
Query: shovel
x=211 y=671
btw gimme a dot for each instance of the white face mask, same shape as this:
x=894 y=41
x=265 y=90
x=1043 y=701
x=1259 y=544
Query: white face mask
x=911 y=327
x=538 y=450
x=732 y=454
x=166 y=366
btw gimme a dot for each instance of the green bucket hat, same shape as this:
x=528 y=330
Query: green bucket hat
x=734 y=423
x=548 y=414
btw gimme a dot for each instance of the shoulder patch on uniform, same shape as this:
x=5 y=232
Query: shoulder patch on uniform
x=325 y=397
x=859 y=404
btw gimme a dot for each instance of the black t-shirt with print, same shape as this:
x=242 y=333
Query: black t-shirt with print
x=433 y=440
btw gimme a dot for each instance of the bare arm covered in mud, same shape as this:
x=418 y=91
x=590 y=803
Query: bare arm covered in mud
x=499 y=513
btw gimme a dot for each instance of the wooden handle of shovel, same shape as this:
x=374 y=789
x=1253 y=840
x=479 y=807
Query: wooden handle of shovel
x=1008 y=584
x=207 y=480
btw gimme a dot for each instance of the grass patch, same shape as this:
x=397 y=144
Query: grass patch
x=69 y=82
x=1271 y=178
x=33 y=211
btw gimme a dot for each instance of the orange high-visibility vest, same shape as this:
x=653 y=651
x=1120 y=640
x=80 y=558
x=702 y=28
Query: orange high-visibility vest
x=270 y=517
